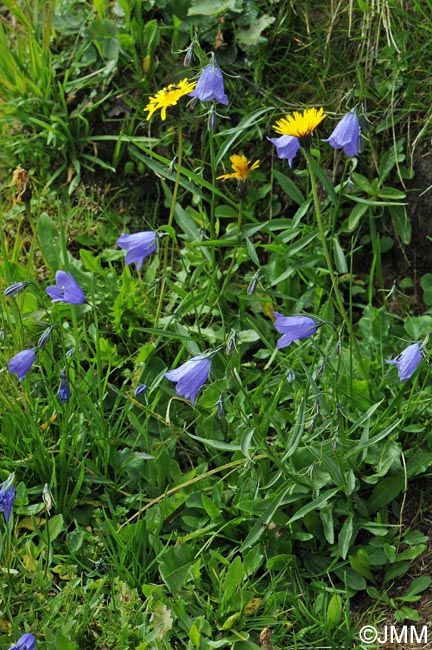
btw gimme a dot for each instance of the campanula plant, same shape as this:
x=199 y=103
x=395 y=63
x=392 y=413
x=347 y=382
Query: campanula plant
x=66 y=289
x=408 y=361
x=210 y=84
x=191 y=375
x=25 y=642
x=294 y=328
x=346 y=135
x=21 y=363
x=138 y=246
x=7 y=496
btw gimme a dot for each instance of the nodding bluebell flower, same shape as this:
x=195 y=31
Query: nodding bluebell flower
x=66 y=290
x=70 y=352
x=287 y=147
x=25 y=642
x=21 y=363
x=290 y=376
x=15 y=289
x=138 y=246
x=140 y=390
x=192 y=375
x=7 y=496
x=346 y=135
x=293 y=328
x=63 y=392
x=210 y=85
x=408 y=361
x=45 y=337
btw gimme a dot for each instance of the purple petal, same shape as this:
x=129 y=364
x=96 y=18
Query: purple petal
x=346 y=135
x=287 y=147
x=408 y=361
x=293 y=328
x=210 y=85
x=191 y=376
x=138 y=246
x=25 y=642
x=21 y=363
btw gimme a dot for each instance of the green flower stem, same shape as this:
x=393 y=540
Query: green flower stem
x=376 y=261
x=229 y=271
x=166 y=240
x=338 y=298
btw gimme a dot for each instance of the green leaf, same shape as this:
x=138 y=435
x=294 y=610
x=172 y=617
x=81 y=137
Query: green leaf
x=345 y=537
x=316 y=504
x=401 y=222
x=339 y=257
x=385 y=491
x=252 y=36
x=175 y=566
x=355 y=216
x=49 y=242
x=418 y=586
x=289 y=187
x=214 y=7
x=334 y=611
x=233 y=578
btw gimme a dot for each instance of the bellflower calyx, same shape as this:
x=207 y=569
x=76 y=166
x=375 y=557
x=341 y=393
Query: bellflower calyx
x=408 y=361
x=293 y=328
x=138 y=246
x=191 y=375
x=346 y=135
x=66 y=290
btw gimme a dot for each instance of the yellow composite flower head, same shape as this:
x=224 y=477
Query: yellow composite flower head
x=300 y=124
x=242 y=168
x=168 y=96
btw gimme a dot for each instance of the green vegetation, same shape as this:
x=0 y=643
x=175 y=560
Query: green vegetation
x=275 y=508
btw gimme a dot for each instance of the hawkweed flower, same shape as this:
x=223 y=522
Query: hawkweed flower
x=7 y=496
x=295 y=130
x=191 y=376
x=346 y=135
x=293 y=328
x=66 y=290
x=138 y=246
x=15 y=289
x=63 y=392
x=140 y=390
x=168 y=96
x=25 y=642
x=210 y=85
x=242 y=168
x=408 y=361
x=21 y=363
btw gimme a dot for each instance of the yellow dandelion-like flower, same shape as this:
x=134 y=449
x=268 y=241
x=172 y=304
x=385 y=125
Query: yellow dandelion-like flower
x=300 y=124
x=168 y=96
x=242 y=168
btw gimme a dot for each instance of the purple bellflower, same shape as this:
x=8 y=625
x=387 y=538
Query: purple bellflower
x=138 y=246
x=294 y=327
x=63 y=392
x=210 y=85
x=21 y=363
x=66 y=290
x=26 y=642
x=7 y=496
x=140 y=389
x=408 y=361
x=287 y=147
x=191 y=376
x=346 y=135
